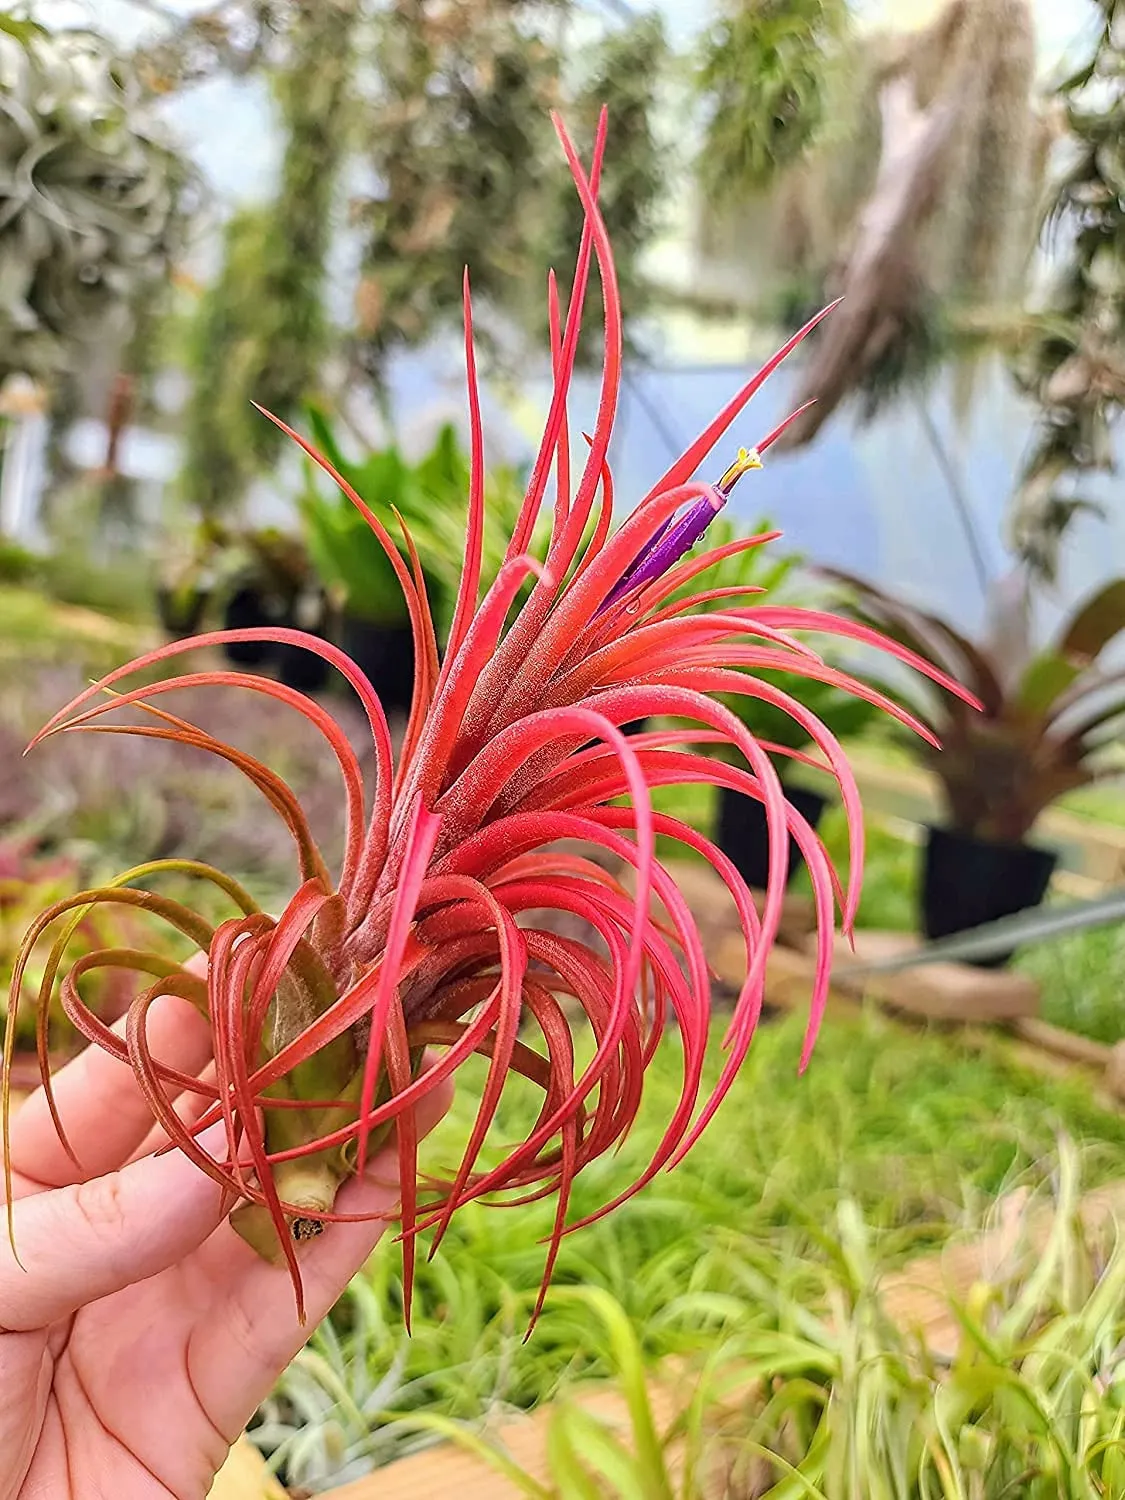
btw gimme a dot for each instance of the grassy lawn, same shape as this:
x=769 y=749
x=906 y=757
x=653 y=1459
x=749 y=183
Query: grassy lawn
x=919 y=1131
x=37 y=631
x=921 y=1134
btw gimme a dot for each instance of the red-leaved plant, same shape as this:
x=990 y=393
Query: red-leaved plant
x=322 y=1016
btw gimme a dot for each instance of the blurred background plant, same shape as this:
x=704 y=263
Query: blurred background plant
x=261 y=332
x=30 y=883
x=954 y=147
x=1048 y=724
x=1073 y=359
x=740 y=1353
x=790 y=48
x=94 y=196
x=776 y=1397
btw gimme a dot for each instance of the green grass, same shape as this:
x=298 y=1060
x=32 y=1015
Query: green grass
x=37 y=631
x=920 y=1133
x=1081 y=978
x=890 y=872
x=1104 y=803
x=832 y=1389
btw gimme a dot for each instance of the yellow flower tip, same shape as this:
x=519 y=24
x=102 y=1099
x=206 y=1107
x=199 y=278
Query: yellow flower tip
x=748 y=458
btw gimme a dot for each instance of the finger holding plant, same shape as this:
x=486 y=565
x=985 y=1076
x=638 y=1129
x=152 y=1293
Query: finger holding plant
x=319 y=1017
x=136 y=1311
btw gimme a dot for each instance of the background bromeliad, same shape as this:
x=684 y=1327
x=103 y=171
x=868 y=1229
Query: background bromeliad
x=332 y=1019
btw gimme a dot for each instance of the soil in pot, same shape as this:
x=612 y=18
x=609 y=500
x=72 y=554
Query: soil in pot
x=249 y=608
x=967 y=881
x=743 y=837
x=385 y=655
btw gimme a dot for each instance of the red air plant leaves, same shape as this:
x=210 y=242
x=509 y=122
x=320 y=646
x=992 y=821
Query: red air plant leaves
x=427 y=938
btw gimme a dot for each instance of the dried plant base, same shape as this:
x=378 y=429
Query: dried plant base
x=314 y=1188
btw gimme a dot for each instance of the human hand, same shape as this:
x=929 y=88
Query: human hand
x=144 y=1332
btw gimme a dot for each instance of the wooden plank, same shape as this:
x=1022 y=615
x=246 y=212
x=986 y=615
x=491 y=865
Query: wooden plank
x=714 y=911
x=448 y=1470
x=1067 y=1045
x=790 y=975
x=919 y=1296
x=936 y=991
x=245 y=1476
x=1115 y=1073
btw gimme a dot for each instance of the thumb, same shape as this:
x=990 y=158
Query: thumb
x=86 y=1241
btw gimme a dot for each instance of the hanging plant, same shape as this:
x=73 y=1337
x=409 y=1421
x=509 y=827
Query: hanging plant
x=948 y=223
x=261 y=332
x=1075 y=366
x=763 y=79
x=623 y=73
x=92 y=196
x=457 y=143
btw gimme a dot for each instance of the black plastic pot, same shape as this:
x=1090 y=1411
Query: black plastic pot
x=298 y=668
x=743 y=836
x=636 y=726
x=248 y=608
x=385 y=655
x=301 y=669
x=967 y=881
x=180 y=611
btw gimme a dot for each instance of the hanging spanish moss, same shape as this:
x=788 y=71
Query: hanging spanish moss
x=261 y=331
x=764 y=77
x=458 y=138
x=624 y=73
x=1076 y=366
x=231 y=36
x=948 y=224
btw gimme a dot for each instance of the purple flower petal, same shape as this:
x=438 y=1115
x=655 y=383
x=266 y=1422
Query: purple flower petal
x=675 y=538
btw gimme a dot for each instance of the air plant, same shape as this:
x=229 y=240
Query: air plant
x=322 y=1015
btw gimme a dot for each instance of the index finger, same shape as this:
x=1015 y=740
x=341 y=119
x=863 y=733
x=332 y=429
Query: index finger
x=104 y=1113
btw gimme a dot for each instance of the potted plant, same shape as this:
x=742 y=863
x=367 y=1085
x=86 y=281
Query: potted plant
x=272 y=583
x=430 y=497
x=1048 y=715
x=180 y=603
x=742 y=832
x=734 y=582
x=186 y=582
